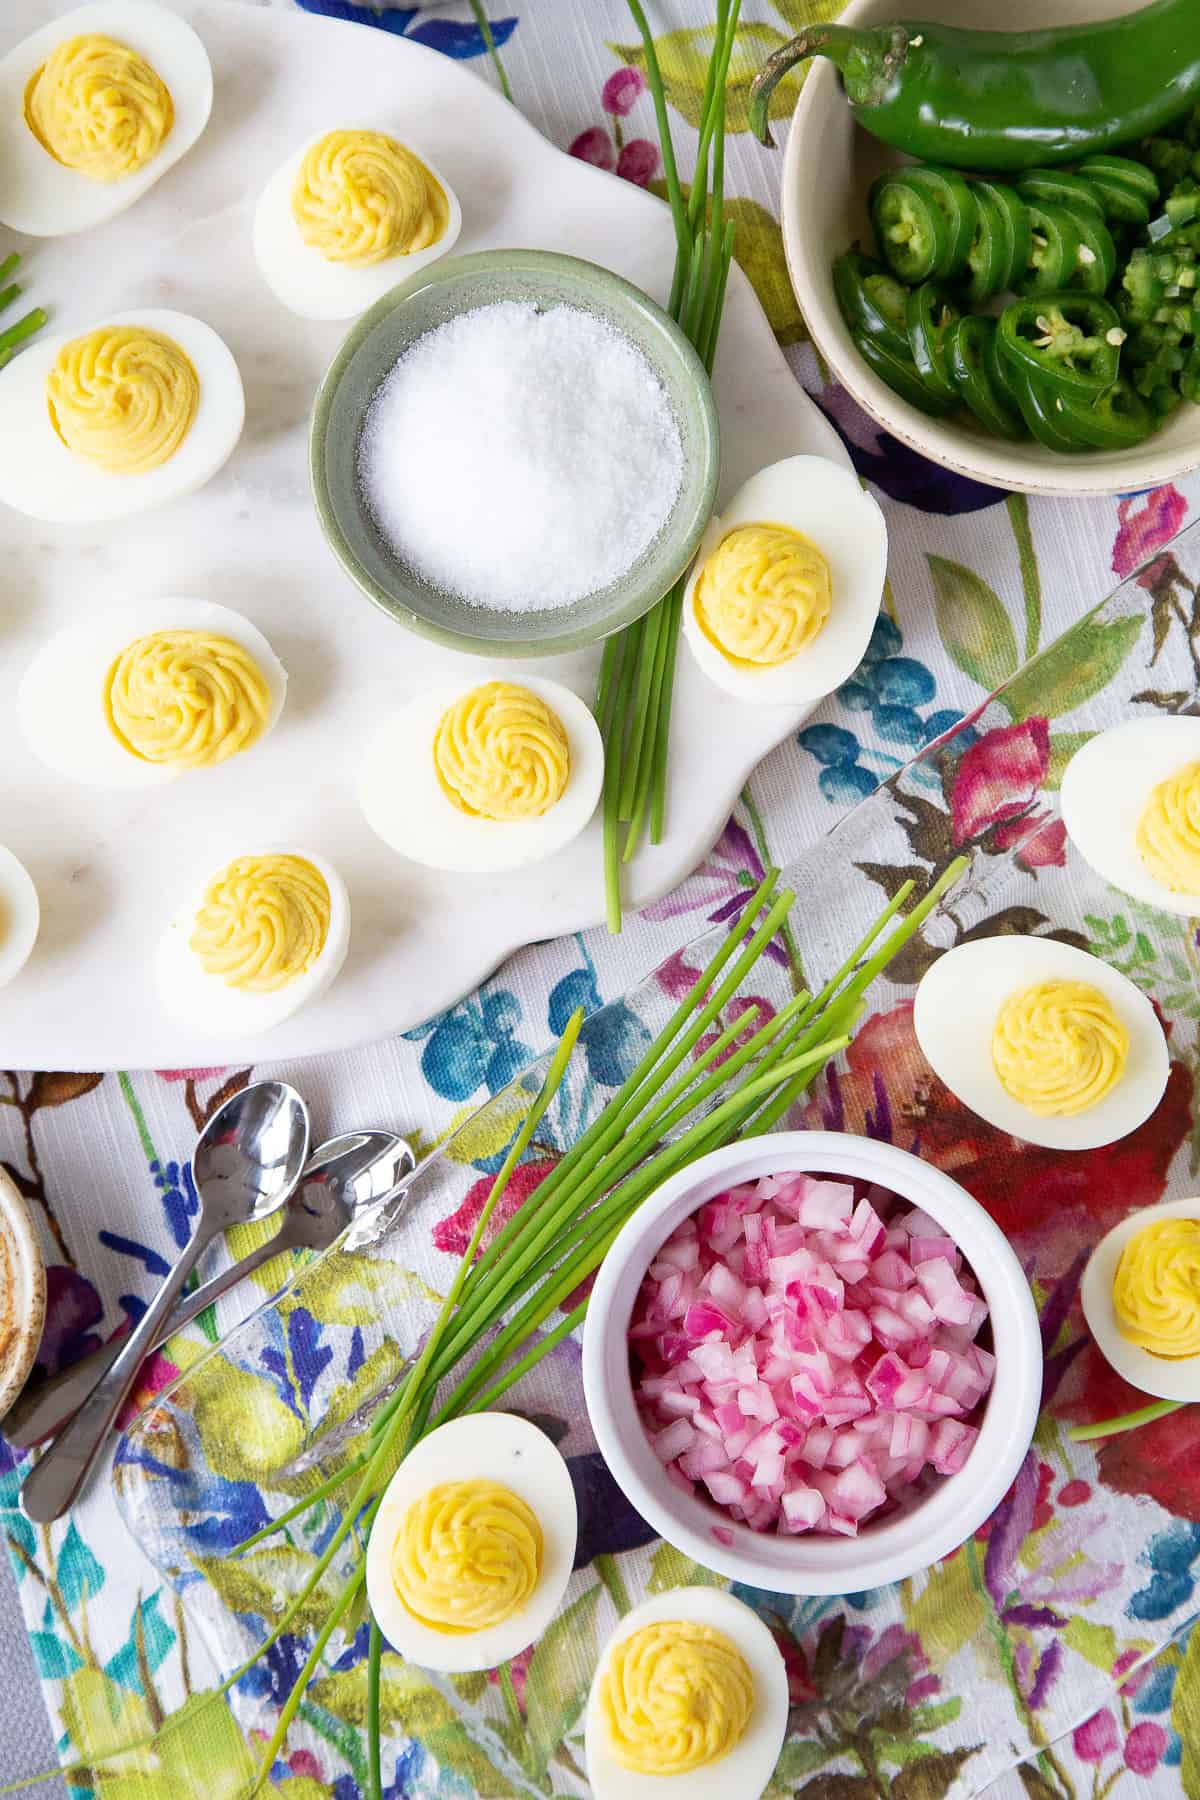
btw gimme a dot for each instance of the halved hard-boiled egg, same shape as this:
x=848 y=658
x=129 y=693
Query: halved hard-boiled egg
x=20 y=915
x=145 y=693
x=473 y=1544
x=94 y=107
x=690 y=1697
x=486 y=778
x=348 y=216
x=141 y=409
x=1131 y=806
x=785 y=589
x=1141 y=1299
x=1042 y=1040
x=263 y=936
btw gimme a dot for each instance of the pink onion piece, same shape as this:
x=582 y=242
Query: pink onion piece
x=804 y=1355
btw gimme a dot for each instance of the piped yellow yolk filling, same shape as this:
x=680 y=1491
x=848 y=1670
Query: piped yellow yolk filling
x=674 y=1697
x=123 y=398
x=263 y=921
x=186 y=699
x=1058 y=1047
x=98 y=107
x=1168 y=832
x=501 y=753
x=763 y=595
x=1156 y=1289
x=468 y=1554
x=361 y=197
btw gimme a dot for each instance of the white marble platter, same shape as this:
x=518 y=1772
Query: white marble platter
x=112 y=867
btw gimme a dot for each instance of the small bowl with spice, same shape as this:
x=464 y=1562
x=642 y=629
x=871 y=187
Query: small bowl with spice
x=22 y=1292
x=515 y=453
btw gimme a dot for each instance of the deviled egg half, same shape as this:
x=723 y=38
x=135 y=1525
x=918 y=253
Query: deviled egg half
x=348 y=216
x=1042 y=1040
x=20 y=915
x=473 y=1544
x=785 y=589
x=143 y=408
x=94 y=108
x=484 y=779
x=144 y=694
x=1141 y=1299
x=263 y=936
x=1131 y=806
x=690 y=1697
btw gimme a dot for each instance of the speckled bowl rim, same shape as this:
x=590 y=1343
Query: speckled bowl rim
x=18 y=1228
x=687 y=529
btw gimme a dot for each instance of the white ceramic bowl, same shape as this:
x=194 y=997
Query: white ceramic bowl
x=829 y=166
x=812 y=1563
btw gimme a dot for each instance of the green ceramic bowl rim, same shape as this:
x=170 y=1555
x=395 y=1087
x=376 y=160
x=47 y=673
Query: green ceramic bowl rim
x=688 y=530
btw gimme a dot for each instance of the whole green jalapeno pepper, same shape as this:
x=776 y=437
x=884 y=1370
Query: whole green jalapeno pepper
x=1070 y=341
x=1005 y=99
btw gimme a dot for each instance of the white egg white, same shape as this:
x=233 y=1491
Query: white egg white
x=826 y=503
x=60 y=702
x=41 y=477
x=207 y=1003
x=300 y=277
x=961 y=997
x=1166 y=1377
x=20 y=915
x=404 y=802
x=489 y=1446
x=745 y=1772
x=1104 y=790
x=38 y=194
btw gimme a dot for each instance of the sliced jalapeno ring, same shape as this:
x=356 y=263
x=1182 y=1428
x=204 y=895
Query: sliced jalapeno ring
x=1016 y=234
x=972 y=365
x=900 y=374
x=990 y=254
x=1058 y=187
x=871 y=300
x=957 y=203
x=1096 y=260
x=1128 y=190
x=1070 y=340
x=1116 y=419
x=911 y=228
x=1044 y=414
x=930 y=316
x=1053 y=251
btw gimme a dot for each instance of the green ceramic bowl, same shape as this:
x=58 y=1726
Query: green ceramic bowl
x=440 y=292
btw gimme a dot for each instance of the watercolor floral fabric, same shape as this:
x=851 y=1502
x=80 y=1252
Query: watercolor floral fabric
x=883 y=1688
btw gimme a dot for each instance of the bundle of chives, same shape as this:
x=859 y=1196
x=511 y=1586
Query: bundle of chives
x=562 y=1232
x=637 y=674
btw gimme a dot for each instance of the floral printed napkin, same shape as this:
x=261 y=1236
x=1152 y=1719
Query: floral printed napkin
x=979 y=581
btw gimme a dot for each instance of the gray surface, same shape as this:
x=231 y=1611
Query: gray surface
x=26 y=1744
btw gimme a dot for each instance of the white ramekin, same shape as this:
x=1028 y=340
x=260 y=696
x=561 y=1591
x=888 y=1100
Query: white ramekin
x=810 y=1563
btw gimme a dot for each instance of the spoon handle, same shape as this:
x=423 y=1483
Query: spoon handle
x=40 y=1412
x=52 y=1485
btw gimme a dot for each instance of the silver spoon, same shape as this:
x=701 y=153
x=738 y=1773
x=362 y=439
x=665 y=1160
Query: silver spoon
x=345 y=1179
x=248 y=1159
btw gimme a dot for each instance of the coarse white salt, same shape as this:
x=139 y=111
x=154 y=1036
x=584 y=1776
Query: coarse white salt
x=521 y=459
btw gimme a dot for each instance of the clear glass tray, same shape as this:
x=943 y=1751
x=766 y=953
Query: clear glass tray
x=1077 y=1576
